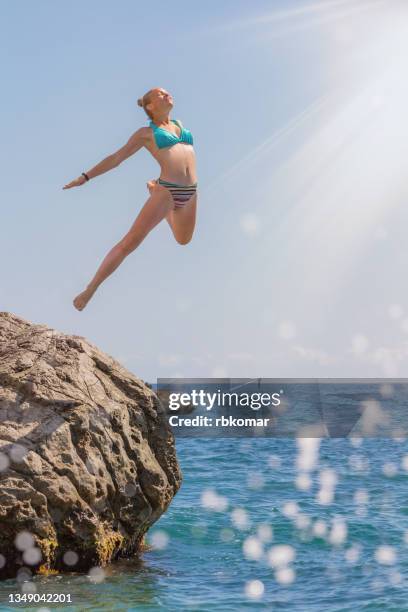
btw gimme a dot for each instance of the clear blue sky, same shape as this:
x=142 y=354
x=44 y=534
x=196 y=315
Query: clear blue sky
x=298 y=110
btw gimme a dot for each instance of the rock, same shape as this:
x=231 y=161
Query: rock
x=87 y=458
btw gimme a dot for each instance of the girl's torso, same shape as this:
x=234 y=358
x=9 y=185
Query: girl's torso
x=174 y=152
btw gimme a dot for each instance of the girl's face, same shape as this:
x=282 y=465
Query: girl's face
x=160 y=101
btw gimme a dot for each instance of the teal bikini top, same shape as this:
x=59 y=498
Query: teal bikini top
x=164 y=138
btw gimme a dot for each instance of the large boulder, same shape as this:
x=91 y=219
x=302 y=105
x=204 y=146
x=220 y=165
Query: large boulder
x=87 y=458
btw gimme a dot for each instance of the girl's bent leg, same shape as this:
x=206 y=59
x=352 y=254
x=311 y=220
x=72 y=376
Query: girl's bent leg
x=182 y=221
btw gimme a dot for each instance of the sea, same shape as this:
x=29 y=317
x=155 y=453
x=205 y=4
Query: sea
x=313 y=524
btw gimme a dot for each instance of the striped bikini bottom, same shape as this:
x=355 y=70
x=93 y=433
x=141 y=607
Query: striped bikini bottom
x=181 y=194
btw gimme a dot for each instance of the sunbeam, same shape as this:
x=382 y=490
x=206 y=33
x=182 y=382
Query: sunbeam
x=300 y=16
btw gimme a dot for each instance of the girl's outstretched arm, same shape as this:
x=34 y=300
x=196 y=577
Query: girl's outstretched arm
x=135 y=142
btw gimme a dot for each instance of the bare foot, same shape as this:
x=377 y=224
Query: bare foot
x=83 y=298
x=151 y=184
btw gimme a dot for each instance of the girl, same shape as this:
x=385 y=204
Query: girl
x=173 y=196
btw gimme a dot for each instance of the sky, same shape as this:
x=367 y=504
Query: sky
x=298 y=266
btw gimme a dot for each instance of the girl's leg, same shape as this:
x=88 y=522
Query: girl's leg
x=182 y=220
x=155 y=209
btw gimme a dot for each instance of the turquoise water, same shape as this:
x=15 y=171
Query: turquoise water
x=199 y=562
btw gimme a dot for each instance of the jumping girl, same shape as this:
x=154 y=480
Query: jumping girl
x=173 y=196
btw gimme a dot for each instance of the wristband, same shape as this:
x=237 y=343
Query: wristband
x=85 y=175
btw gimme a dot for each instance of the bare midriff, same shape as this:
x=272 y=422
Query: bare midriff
x=177 y=163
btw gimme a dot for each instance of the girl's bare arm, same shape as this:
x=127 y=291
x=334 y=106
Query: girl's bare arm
x=135 y=142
